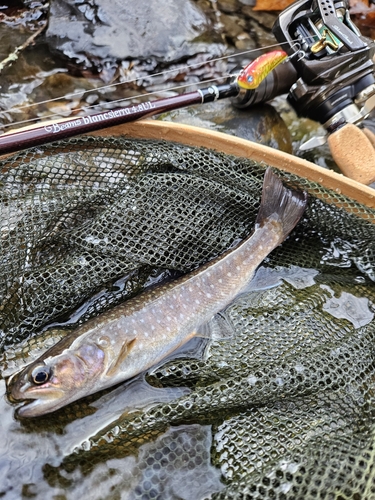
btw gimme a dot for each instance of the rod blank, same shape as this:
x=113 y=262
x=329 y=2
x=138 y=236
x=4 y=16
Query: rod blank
x=62 y=129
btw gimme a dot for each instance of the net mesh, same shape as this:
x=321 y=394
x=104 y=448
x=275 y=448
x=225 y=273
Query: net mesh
x=283 y=409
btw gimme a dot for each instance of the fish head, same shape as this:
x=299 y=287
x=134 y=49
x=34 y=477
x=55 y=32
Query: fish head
x=51 y=383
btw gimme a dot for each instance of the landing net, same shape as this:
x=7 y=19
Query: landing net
x=285 y=409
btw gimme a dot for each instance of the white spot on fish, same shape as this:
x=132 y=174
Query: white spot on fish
x=208 y=295
x=260 y=247
x=238 y=268
x=229 y=274
x=220 y=280
x=182 y=316
x=197 y=301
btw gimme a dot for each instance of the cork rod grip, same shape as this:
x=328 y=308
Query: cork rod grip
x=354 y=153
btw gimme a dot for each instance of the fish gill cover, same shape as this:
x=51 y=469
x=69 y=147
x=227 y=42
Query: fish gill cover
x=283 y=408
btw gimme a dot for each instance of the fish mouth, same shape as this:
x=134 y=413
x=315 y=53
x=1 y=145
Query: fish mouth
x=34 y=405
x=28 y=408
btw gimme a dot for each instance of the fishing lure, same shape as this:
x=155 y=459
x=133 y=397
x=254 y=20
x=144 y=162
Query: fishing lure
x=252 y=75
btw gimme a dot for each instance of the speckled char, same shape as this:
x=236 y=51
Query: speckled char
x=133 y=336
x=161 y=320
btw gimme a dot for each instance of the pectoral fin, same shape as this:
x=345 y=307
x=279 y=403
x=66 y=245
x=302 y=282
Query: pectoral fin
x=218 y=328
x=117 y=361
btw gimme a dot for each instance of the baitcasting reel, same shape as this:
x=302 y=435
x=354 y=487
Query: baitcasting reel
x=329 y=78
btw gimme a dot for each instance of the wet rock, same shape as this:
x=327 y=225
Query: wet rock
x=301 y=130
x=17 y=24
x=264 y=19
x=259 y=25
x=244 y=42
x=229 y=6
x=106 y=30
x=233 y=26
x=261 y=123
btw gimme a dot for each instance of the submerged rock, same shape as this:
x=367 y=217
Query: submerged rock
x=123 y=29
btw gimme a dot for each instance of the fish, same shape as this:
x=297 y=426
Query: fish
x=134 y=336
x=253 y=74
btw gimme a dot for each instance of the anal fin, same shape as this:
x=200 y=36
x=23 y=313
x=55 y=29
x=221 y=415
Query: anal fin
x=218 y=328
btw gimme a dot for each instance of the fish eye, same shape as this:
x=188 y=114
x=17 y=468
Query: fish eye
x=41 y=374
x=250 y=78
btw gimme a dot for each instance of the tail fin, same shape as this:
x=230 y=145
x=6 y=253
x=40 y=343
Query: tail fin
x=284 y=204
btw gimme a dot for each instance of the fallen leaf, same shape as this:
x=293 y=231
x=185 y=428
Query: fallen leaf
x=272 y=4
x=359 y=3
x=359 y=7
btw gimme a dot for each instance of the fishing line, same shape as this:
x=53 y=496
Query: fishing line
x=124 y=99
x=154 y=75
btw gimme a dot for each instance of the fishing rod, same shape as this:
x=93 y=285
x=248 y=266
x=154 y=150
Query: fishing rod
x=45 y=132
x=112 y=86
